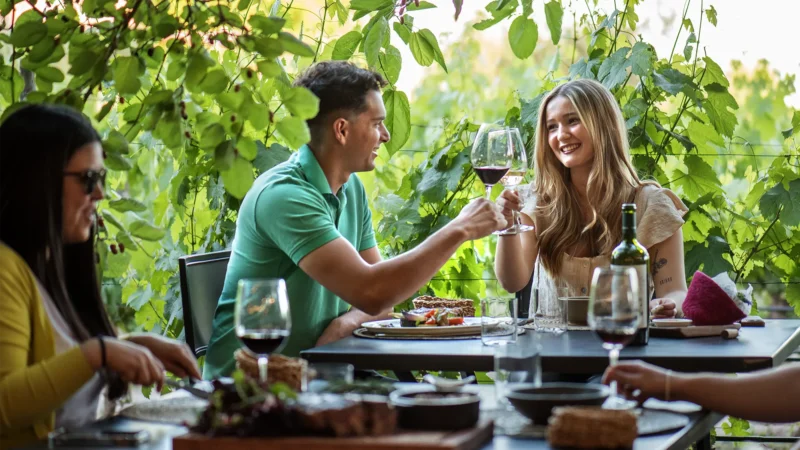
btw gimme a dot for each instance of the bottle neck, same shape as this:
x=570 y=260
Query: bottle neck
x=628 y=225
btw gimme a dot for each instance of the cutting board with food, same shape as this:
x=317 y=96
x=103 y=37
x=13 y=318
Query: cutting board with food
x=241 y=414
x=664 y=330
x=471 y=438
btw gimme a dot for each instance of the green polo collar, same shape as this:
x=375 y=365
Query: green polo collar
x=314 y=175
x=312 y=170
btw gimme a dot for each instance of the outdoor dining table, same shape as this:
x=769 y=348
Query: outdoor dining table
x=572 y=352
x=700 y=422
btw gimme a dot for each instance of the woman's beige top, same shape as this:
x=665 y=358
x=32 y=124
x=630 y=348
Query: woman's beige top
x=659 y=214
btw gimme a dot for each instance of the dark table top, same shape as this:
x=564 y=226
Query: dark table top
x=700 y=424
x=573 y=352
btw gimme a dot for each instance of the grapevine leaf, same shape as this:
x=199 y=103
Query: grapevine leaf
x=374 y=41
x=127 y=204
x=554 y=13
x=294 y=130
x=346 y=46
x=522 y=36
x=398 y=119
x=146 y=231
x=126 y=75
x=238 y=178
x=614 y=69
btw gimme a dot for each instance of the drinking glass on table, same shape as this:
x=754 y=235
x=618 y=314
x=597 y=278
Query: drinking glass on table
x=614 y=315
x=548 y=312
x=516 y=365
x=514 y=177
x=498 y=320
x=318 y=376
x=491 y=154
x=262 y=320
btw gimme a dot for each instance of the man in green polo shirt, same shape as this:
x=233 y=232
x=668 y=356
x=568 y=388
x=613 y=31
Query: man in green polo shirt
x=308 y=221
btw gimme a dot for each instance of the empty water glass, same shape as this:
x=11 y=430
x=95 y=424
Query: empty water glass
x=318 y=376
x=549 y=314
x=498 y=320
x=516 y=365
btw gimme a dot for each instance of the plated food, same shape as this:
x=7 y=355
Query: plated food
x=429 y=317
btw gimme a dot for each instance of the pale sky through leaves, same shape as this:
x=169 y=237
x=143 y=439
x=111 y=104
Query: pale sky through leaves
x=746 y=31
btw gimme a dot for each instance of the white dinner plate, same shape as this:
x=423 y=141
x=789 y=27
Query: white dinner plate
x=471 y=326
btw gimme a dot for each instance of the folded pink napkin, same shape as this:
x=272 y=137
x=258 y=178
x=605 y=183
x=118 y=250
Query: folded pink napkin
x=707 y=303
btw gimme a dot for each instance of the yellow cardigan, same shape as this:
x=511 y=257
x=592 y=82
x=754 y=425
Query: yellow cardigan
x=34 y=381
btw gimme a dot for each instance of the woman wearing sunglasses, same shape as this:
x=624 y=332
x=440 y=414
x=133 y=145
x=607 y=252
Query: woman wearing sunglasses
x=58 y=349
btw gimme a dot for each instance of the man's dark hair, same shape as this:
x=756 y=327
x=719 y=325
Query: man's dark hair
x=339 y=85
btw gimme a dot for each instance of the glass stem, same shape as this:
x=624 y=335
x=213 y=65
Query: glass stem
x=613 y=357
x=516 y=222
x=489 y=191
x=262 y=369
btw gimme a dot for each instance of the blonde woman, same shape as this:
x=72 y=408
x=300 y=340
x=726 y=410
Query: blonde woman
x=583 y=175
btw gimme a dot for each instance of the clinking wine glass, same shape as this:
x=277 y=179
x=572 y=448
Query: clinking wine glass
x=491 y=154
x=262 y=319
x=614 y=316
x=514 y=177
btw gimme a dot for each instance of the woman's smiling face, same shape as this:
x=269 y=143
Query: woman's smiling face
x=567 y=136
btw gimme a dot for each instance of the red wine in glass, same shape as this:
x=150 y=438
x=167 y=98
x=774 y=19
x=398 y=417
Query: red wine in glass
x=490 y=175
x=265 y=342
x=616 y=337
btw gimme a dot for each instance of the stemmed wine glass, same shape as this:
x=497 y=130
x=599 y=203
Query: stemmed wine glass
x=262 y=320
x=514 y=177
x=491 y=154
x=614 y=315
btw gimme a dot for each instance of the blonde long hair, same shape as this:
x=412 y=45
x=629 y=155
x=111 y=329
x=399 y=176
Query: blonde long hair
x=612 y=179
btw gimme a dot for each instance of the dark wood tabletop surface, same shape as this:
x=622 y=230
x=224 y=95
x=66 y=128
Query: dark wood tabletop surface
x=700 y=424
x=573 y=352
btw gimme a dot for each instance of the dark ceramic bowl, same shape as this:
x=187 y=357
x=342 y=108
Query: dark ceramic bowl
x=537 y=403
x=430 y=410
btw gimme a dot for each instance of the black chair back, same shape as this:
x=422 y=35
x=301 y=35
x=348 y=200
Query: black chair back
x=202 y=278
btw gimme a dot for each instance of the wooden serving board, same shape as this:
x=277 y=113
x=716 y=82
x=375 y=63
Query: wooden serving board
x=469 y=439
x=692 y=331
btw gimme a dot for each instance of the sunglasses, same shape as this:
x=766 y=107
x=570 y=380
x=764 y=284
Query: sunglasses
x=90 y=179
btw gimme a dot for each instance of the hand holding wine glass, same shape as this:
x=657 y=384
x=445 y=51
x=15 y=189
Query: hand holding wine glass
x=262 y=319
x=614 y=315
x=514 y=177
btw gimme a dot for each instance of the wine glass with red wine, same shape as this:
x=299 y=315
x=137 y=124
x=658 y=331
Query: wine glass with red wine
x=613 y=314
x=262 y=320
x=492 y=154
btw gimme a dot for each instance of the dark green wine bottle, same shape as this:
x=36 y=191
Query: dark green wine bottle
x=630 y=253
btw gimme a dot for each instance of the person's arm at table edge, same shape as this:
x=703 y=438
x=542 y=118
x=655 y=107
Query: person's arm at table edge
x=344 y=325
x=768 y=396
x=667 y=267
x=373 y=288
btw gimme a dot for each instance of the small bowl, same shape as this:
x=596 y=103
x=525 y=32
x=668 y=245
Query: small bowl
x=537 y=403
x=577 y=309
x=431 y=410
